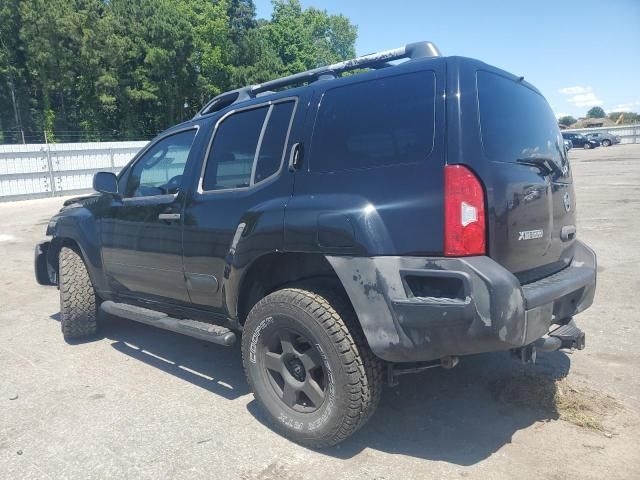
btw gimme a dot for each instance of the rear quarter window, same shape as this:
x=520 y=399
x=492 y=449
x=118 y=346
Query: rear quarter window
x=515 y=121
x=376 y=123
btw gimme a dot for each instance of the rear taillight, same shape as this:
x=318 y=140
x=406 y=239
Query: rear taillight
x=464 y=216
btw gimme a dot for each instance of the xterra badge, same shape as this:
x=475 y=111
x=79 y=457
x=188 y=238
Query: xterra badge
x=530 y=234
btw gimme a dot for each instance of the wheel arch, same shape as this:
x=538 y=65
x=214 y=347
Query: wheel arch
x=56 y=245
x=53 y=254
x=78 y=229
x=276 y=270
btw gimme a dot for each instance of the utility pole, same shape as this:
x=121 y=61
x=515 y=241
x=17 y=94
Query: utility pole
x=52 y=177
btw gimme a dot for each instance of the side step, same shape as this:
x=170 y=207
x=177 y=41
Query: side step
x=202 y=330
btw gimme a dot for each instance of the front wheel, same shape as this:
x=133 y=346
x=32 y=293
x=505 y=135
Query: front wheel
x=309 y=366
x=587 y=146
x=78 y=300
x=606 y=143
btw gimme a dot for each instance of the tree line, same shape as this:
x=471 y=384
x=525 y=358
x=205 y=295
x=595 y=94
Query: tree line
x=83 y=70
x=622 y=118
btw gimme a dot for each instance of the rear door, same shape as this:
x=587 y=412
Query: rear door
x=241 y=193
x=517 y=151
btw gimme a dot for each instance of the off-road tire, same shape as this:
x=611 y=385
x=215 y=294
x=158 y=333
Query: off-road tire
x=327 y=319
x=78 y=301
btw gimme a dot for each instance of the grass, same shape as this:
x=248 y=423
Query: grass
x=557 y=398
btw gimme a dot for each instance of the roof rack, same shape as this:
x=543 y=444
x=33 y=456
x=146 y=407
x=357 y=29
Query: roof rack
x=411 y=51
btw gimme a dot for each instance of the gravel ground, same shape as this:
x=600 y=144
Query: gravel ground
x=145 y=403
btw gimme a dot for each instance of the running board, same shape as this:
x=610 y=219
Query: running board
x=192 y=328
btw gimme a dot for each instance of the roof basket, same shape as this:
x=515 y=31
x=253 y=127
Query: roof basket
x=411 y=51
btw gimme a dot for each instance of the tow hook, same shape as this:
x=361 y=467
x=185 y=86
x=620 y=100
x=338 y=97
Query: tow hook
x=394 y=370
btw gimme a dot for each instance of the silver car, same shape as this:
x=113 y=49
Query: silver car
x=605 y=139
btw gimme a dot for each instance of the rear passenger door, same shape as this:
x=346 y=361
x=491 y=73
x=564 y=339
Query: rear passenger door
x=237 y=210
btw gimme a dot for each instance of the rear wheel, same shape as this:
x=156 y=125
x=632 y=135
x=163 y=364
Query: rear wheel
x=587 y=146
x=78 y=301
x=606 y=143
x=309 y=366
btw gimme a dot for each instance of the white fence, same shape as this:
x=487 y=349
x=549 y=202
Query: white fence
x=44 y=170
x=627 y=133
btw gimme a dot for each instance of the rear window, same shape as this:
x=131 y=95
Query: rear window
x=376 y=123
x=515 y=121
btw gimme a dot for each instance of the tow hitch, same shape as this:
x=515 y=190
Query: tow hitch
x=567 y=336
x=395 y=370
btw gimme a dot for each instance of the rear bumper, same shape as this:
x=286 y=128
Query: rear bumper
x=491 y=311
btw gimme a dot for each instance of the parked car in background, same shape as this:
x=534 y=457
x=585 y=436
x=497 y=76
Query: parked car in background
x=605 y=139
x=579 y=140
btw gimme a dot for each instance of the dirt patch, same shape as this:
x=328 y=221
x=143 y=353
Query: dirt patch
x=557 y=398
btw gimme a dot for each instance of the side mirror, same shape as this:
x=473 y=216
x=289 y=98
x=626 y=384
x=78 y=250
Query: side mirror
x=105 y=182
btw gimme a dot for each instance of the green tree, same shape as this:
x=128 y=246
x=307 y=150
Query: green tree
x=305 y=39
x=567 y=120
x=596 y=112
x=83 y=69
x=14 y=79
x=53 y=33
x=628 y=118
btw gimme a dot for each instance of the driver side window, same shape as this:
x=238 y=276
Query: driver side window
x=159 y=171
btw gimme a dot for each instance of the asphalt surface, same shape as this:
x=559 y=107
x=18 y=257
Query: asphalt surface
x=138 y=402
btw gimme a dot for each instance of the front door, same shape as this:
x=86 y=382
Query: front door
x=142 y=236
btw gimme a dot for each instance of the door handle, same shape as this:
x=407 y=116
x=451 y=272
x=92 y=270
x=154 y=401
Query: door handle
x=169 y=216
x=295 y=157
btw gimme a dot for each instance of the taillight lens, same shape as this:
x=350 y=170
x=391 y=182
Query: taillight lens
x=464 y=216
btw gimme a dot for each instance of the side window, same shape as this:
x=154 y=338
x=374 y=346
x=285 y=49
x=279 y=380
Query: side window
x=159 y=171
x=245 y=150
x=234 y=147
x=274 y=141
x=382 y=122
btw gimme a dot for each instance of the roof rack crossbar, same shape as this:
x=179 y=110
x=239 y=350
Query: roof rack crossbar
x=373 y=60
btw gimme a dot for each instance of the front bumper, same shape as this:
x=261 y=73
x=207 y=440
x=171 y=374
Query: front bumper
x=490 y=312
x=45 y=274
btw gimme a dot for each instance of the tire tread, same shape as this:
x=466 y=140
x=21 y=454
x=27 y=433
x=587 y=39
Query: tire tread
x=78 y=302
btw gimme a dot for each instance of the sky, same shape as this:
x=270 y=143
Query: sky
x=579 y=54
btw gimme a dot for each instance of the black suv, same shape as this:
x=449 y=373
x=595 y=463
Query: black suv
x=352 y=227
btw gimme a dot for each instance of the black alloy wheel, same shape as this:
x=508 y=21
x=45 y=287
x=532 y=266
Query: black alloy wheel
x=295 y=371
